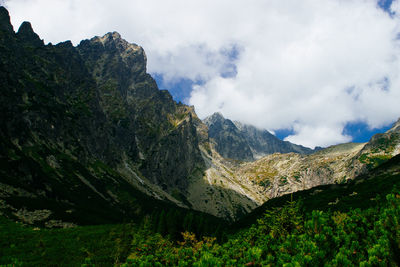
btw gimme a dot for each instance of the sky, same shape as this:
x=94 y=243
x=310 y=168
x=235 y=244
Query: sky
x=314 y=72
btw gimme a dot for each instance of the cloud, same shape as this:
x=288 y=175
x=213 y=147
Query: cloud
x=310 y=135
x=310 y=66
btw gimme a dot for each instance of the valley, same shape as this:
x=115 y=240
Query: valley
x=91 y=149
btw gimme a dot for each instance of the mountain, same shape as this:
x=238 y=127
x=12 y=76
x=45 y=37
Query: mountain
x=245 y=142
x=279 y=174
x=150 y=129
x=89 y=138
x=359 y=192
x=230 y=142
x=263 y=143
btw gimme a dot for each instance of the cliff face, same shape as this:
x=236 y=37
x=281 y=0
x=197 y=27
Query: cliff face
x=263 y=143
x=155 y=133
x=48 y=95
x=98 y=98
x=229 y=141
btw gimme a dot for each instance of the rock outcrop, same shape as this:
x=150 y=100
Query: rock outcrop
x=156 y=133
x=5 y=24
x=229 y=141
x=263 y=143
x=28 y=36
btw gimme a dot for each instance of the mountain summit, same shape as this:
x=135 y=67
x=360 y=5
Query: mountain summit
x=5 y=24
x=230 y=142
x=27 y=35
x=246 y=142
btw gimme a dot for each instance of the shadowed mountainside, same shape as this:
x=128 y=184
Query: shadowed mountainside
x=240 y=141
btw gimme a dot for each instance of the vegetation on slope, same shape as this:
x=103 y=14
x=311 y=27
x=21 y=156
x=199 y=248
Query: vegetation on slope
x=287 y=237
x=101 y=245
x=360 y=228
x=283 y=236
x=330 y=226
x=358 y=193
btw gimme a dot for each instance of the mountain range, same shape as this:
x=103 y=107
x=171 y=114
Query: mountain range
x=87 y=137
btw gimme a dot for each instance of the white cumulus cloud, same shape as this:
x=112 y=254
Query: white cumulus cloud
x=311 y=66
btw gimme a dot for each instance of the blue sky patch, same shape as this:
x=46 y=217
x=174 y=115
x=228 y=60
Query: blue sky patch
x=180 y=89
x=281 y=134
x=385 y=5
x=361 y=132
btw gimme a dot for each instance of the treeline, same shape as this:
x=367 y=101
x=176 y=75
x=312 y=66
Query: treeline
x=173 y=222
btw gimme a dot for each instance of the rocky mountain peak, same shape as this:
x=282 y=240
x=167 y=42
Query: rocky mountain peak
x=5 y=22
x=247 y=141
x=218 y=115
x=114 y=35
x=230 y=143
x=215 y=117
x=395 y=127
x=111 y=37
x=26 y=34
x=114 y=41
x=126 y=62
